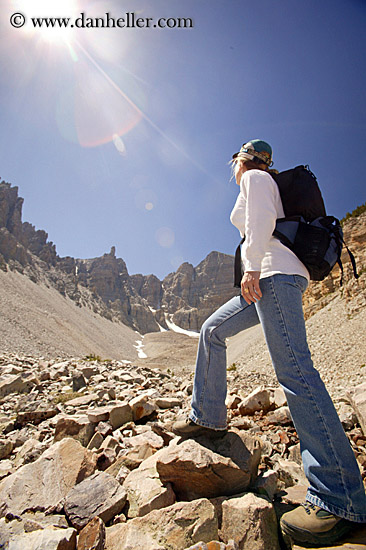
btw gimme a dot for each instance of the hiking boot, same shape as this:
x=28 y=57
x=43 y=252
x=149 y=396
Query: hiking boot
x=189 y=429
x=310 y=524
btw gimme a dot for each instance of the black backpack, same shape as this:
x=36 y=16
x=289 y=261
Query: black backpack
x=314 y=237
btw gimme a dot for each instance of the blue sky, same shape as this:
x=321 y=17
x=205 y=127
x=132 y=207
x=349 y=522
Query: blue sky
x=121 y=137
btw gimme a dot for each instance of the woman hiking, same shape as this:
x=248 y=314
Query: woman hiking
x=271 y=294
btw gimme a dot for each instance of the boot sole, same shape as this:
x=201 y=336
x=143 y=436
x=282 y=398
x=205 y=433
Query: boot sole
x=320 y=539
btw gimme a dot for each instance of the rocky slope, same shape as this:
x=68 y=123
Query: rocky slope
x=36 y=319
x=88 y=461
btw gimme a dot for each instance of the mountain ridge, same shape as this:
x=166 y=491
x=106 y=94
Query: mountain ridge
x=184 y=298
x=142 y=302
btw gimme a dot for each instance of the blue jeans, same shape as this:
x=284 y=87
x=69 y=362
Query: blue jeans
x=335 y=482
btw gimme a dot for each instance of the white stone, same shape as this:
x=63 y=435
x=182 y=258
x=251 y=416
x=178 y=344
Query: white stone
x=251 y=522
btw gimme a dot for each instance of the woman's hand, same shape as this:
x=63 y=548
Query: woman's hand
x=250 y=286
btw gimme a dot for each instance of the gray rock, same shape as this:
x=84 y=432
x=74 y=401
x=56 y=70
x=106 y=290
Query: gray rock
x=289 y=472
x=141 y=407
x=95 y=441
x=280 y=416
x=99 y=414
x=168 y=402
x=77 y=427
x=83 y=400
x=45 y=539
x=120 y=414
x=294 y=454
x=267 y=483
x=145 y=491
x=35 y=417
x=45 y=482
x=258 y=400
x=15 y=383
x=279 y=398
x=251 y=522
x=175 y=527
x=99 y=495
x=78 y=381
x=347 y=416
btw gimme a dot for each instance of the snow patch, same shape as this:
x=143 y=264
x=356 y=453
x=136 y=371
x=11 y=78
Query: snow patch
x=172 y=326
x=140 y=353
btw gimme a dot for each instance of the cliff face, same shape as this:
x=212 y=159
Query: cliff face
x=18 y=239
x=185 y=298
x=192 y=294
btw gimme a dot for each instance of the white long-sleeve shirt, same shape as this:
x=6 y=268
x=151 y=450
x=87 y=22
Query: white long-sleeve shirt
x=254 y=214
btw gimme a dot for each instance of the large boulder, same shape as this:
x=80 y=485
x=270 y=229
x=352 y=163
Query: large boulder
x=78 y=427
x=205 y=468
x=45 y=482
x=176 y=527
x=99 y=495
x=49 y=538
x=16 y=383
x=145 y=490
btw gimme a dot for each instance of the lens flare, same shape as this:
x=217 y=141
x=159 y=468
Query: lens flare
x=103 y=109
x=165 y=237
x=48 y=10
x=119 y=145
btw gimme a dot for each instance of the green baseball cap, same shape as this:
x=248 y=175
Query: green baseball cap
x=256 y=148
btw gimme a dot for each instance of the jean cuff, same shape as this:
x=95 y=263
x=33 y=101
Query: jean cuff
x=335 y=510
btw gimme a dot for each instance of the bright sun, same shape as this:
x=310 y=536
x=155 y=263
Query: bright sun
x=63 y=9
